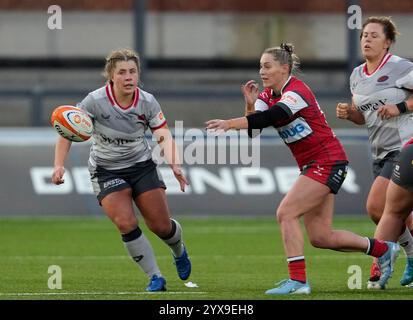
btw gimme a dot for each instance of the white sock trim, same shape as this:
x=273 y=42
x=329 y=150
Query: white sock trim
x=296 y=258
x=368 y=245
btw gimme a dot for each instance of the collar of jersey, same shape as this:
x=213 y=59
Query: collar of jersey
x=112 y=99
x=273 y=93
x=383 y=61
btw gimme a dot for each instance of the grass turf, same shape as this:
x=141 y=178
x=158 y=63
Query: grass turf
x=232 y=258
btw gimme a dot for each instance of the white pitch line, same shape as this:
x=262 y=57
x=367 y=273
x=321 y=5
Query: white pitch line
x=96 y=293
x=167 y=257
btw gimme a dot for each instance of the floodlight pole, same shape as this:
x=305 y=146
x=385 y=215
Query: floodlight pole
x=139 y=14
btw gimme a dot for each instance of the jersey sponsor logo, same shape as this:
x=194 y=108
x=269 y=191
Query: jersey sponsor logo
x=117 y=142
x=382 y=78
x=289 y=99
x=295 y=130
x=373 y=106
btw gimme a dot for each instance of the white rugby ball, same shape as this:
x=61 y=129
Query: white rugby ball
x=72 y=123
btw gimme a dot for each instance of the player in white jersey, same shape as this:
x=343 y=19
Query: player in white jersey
x=121 y=166
x=382 y=99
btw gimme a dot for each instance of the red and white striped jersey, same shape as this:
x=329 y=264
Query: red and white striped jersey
x=306 y=132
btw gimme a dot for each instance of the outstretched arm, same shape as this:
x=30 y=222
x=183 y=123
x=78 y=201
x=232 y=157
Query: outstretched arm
x=258 y=120
x=61 y=151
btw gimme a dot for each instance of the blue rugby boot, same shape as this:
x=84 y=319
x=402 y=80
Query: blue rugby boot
x=289 y=286
x=386 y=263
x=156 y=284
x=407 y=277
x=183 y=265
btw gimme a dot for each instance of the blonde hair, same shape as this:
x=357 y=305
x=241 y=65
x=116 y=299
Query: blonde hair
x=125 y=54
x=285 y=55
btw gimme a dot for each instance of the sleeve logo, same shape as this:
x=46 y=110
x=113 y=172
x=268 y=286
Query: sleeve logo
x=289 y=99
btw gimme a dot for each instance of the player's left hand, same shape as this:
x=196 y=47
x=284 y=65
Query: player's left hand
x=179 y=175
x=388 y=111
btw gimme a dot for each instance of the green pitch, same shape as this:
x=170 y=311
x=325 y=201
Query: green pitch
x=233 y=258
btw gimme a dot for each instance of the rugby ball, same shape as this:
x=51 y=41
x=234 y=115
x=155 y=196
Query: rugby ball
x=72 y=123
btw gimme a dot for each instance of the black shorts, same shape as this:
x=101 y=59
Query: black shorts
x=141 y=177
x=384 y=167
x=330 y=174
x=403 y=169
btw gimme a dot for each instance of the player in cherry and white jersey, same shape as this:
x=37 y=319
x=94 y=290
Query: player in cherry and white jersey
x=289 y=105
x=121 y=167
x=381 y=86
x=305 y=131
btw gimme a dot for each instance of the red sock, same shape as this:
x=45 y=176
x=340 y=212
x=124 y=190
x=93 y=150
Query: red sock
x=296 y=268
x=377 y=248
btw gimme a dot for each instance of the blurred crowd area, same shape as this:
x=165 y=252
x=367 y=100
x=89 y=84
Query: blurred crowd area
x=196 y=54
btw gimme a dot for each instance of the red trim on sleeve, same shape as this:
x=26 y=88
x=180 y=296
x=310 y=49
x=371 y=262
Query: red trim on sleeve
x=158 y=127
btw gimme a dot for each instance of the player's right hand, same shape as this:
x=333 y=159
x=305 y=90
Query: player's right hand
x=343 y=110
x=57 y=177
x=251 y=92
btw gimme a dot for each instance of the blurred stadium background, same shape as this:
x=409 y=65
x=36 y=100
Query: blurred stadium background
x=195 y=55
x=196 y=52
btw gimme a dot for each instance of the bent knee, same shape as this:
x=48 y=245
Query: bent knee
x=374 y=211
x=125 y=225
x=281 y=215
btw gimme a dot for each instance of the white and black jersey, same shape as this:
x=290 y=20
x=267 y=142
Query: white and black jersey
x=119 y=132
x=390 y=83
